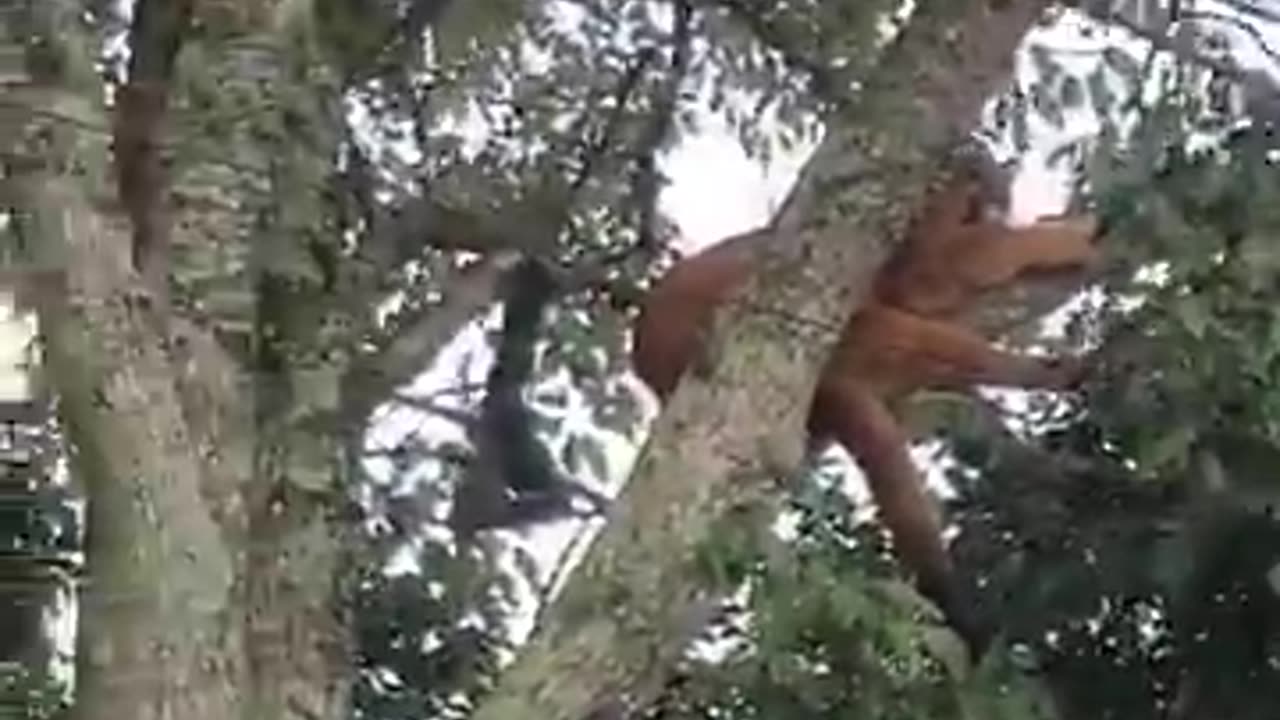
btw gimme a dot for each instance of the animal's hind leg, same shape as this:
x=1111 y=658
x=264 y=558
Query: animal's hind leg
x=860 y=421
x=957 y=358
x=901 y=351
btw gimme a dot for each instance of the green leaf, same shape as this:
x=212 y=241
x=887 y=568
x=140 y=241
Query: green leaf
x=1046 y=105
x=1100 y=94
x=1071 y=92
x=1172 y=562
x=317 y=388
x=584 y=452
x=467 y=25
x=904 y=595
x=949 y=648
x=1021 y=132
x=1046 y=65
x=1194 y=313
x=1171 y=448
x=1124 y=65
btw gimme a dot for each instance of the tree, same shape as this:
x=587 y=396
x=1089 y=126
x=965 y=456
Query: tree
x=214 y=361
x=246 y=239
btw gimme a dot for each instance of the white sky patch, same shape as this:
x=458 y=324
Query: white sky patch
x=716 y=191
x=16 y=333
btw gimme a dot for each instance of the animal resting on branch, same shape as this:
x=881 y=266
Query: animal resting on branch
x=906 y=337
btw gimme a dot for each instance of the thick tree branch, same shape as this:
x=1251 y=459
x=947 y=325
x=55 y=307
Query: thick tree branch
x=401 y=234
x=397 y=235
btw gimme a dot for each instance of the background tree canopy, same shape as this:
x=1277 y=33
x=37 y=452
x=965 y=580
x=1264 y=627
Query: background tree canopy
x=340 y=291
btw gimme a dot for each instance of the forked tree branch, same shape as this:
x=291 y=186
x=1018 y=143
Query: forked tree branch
x=422 y=334
x=1261 y=89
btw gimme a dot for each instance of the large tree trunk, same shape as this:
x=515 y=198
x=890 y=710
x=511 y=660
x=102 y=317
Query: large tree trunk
x=736 y=425
x=216 y=537
x=161 y=634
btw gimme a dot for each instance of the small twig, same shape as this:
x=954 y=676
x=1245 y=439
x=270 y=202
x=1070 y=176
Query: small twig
x=429 y=405
x=824 y=78
x=1163 y=41
x=593 y=151
x=1243 y=26
x=560 y=571
x=15 y=101
x=647 y=182
x=1253 y=9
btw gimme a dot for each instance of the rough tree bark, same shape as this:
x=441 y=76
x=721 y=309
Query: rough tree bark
x=215 y=565
x=735 y=424
x=158 y=634
x=216 y=440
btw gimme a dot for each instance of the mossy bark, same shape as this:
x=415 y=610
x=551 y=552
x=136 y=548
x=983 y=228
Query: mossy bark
x=216 y=549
